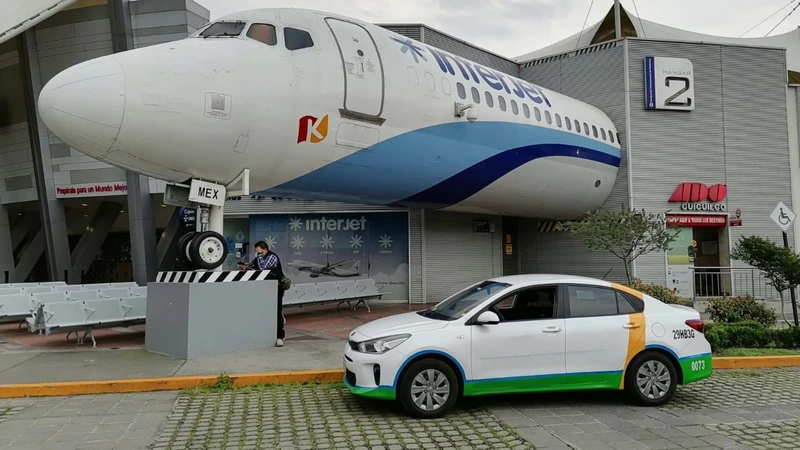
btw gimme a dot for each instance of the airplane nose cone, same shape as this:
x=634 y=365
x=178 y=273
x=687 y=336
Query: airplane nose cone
x=84 y=104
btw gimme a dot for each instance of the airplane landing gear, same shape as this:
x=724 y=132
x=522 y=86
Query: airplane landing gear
x=205 y=248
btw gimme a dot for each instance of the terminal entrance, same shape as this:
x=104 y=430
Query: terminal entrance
x=698 y=261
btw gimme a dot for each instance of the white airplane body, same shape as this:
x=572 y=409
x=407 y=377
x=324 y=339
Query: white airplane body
x=356 y=113
x=151 y=110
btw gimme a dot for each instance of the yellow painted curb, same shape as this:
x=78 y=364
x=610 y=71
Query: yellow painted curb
x=755 y=362
x=163 y=384
x=308 y=376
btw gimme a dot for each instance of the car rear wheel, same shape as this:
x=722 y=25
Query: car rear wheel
x=651 y=379
x=428 y=389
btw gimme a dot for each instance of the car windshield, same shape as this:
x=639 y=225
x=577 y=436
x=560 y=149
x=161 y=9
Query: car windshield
x=463 y=302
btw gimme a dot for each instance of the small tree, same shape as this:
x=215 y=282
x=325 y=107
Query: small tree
x=625 y=233
x=780 y=265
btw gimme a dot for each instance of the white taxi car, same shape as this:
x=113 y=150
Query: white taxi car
x=529 y=333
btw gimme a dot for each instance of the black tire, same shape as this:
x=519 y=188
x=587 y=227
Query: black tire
x=650 y=361
x=420 y=368
x=183 y=248
x=205 y=245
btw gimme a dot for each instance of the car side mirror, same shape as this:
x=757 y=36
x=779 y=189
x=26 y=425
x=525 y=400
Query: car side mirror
x=488 y=318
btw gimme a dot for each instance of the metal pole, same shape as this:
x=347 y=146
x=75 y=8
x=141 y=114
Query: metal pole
x=791 y=291
x=617 y=21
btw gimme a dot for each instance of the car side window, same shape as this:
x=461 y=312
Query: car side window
x=529 y=304
x=623 y=305
x=592 y=301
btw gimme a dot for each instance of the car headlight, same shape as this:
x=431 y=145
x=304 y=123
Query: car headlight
x=383 y=344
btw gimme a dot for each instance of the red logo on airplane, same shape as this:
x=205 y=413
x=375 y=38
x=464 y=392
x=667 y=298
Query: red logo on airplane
x=312 y=129
x=698 y=192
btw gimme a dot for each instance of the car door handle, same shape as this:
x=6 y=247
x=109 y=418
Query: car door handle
x=631 y=325
x=551 y=330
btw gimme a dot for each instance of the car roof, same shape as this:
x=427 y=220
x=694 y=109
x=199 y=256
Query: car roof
x=544 y=278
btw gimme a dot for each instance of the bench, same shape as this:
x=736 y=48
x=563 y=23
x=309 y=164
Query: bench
x=105 y=305
x=88 y=315
x=342 y=291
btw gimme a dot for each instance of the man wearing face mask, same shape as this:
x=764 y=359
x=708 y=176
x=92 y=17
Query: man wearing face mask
x=267 y=260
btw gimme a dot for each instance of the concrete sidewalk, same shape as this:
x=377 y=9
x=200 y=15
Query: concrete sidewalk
x=102 y=364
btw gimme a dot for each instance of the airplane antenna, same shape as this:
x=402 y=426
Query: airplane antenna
x=609 y=271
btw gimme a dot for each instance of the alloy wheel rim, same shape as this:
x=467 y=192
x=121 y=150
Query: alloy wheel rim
x=653 y=379
x=210 y=250
x=430 y=390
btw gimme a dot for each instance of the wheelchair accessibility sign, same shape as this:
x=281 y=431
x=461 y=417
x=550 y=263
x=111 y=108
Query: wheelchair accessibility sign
x=783 y=216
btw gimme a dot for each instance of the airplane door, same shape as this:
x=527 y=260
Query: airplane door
x=363 y=70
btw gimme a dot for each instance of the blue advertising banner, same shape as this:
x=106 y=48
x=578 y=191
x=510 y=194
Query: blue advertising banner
x=332 y=247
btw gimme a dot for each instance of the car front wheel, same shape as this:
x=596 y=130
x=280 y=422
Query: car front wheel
x=651 y=379
x=428 y=389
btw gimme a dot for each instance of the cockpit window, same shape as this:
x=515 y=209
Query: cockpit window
x=263 y=32
x=297 y=39
x=223 y=29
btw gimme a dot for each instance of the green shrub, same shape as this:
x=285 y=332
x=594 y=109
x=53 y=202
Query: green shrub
x=788 y=338
x=742 y=334
x=740 y=309
x=658 y=292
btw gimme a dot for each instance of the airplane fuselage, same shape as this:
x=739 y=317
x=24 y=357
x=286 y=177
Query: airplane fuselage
x=354 y=114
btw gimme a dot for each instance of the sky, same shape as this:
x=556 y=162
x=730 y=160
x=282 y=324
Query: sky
x=514 y=27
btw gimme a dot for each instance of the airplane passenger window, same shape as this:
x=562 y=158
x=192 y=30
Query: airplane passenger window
x=603 y=133
x=514 y=107
x=548 y=117
x=502 y=102
x=223 y=29
x=558 y=120
x=296 y=39
x=611 y=136
x=537 y=113
x=445 y=86
x=413 y=77
x=577 y=126
x=489 y=99
x=586 y=128
x=263 y=32
x=529 y=304
x=526 y=110
x=568 y=123
x=476 y=96
x=594 y=130
x=461 y=91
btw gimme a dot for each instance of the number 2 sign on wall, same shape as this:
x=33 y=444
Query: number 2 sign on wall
x=669 y=83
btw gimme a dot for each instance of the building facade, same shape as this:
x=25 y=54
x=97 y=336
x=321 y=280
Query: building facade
x=716 y=168
x=65 y=215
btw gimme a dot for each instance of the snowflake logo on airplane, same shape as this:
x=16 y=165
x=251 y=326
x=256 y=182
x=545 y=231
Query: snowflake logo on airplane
x=409 y=46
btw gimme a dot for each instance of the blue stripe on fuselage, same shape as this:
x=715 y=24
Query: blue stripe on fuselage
x=468 y=182
x=408 y=164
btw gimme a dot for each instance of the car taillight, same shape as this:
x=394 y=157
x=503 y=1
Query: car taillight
x=695 y=324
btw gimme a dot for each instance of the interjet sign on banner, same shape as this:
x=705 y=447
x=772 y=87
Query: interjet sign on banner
x=668 y=83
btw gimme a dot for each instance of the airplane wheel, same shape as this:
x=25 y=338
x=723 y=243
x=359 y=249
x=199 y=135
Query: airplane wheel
x=183 y=249
x=208 y=250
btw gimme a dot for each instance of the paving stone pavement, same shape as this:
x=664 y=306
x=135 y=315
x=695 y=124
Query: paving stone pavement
x=322 y=417
x=89 y=422
x=751 y=409
x=754 y=409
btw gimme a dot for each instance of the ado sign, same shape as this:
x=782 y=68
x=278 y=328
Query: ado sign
x=690 y=196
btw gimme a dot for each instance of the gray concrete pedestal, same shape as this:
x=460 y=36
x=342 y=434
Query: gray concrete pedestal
x=193 y=320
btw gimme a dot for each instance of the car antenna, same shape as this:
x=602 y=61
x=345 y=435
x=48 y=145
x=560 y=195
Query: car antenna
x=609 y=271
